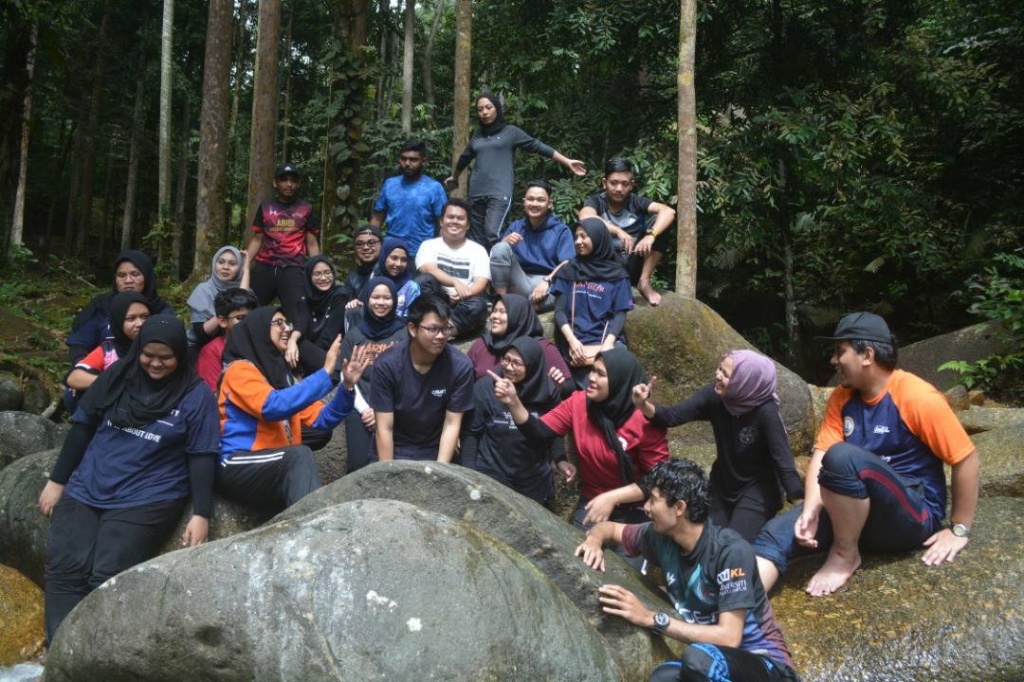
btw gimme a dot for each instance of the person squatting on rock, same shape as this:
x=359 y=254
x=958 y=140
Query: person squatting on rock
x=285 y=232
x=232 y=306
x=263 y=408
x=876 y=480
x=639 y=225
x=143 y=439
x=753 y=453
x=366 y=240
x=529 y=254
x=410 y=204
x=493 y=147
x=722 y=611
x=512 y=317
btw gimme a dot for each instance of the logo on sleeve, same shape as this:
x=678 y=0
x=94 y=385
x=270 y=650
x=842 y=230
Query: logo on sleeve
x=847 y=426
x=731 y=581
x=438 y=392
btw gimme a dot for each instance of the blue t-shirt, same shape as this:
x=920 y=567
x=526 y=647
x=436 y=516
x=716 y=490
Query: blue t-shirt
x=542 y=249
x=596 y=303
x=412 y=209
x=129 y=467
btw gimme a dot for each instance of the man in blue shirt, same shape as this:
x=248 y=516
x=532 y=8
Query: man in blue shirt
x=410 y=203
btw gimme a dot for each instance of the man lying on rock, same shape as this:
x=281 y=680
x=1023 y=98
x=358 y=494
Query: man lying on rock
x=876 y=480
x=711 y=577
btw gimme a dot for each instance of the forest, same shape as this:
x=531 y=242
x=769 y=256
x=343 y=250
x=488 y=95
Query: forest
x=850 y=154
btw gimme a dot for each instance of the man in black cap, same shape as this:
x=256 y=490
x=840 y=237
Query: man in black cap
x=285 y=233
x=876 y=480
x=367 y=239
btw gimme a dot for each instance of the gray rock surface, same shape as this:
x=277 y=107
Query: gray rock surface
x=898 y=620
x=22 y=433
x=970 y=344
x=1002 y=461
x=12 y=396
x=367 y=590
x=979 y=419
x=533 y=531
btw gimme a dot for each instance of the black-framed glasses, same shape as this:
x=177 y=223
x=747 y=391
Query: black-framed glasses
x=437 y=330
x=322 y=274
x=367 y=243
x=283 y=324
x=512 y=363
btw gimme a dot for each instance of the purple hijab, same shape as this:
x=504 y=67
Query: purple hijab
x=752 y=383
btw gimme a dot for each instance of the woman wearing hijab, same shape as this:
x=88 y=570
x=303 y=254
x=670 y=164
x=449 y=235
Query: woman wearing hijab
x=512 y=317
x=227 y=270
x=321 y=314
x=494 y=147
x=133 y=271
x=616 y=443
x=754 y=456
x=144 y=439
x=494 y=447
x=378 y=329
x=394 y=264
x=263 y=408
x=592 y=297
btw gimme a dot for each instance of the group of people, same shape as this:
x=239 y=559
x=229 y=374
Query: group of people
x=271 y=383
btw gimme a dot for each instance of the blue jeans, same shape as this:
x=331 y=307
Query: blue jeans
x=899 y=519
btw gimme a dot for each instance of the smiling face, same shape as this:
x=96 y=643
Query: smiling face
x=723 y=374
x=618 y=186
x=584 y=245
x=851 y=365
x=381 y=301
x=397 y=262
x=454 y=225
x=512 y=366
x=499 y=319
x=485 y=111
x=133 y=319
x=536 y=204
x=226 y=267
x=280 y=331
x=367 y=248
x=128 y=277
x=662 y=515
x=431 y=334
x=322 y=276
x=157 y=360
x=597 y=383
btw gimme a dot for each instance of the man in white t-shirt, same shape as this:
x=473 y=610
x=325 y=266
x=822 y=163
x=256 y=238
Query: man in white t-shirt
x=456 y=267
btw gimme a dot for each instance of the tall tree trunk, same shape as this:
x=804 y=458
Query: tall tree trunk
x=236 y=151
x=383 y=11
x=108 y=176
x=286 y=120
x=135 y=149
x=428 y=56
x=463 y=55
x=68 y=136
x=166 y=95
x=211 y=193
x=408 y=52
x=15 y=48
x=264 y=104
x=178 y=235
x=73 y=184
x=18 y=221
x=686 y=248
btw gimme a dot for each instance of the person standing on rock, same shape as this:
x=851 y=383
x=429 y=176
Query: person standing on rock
x=711 y=577
x=876 y=480
x=753 y=450
x=144 y=439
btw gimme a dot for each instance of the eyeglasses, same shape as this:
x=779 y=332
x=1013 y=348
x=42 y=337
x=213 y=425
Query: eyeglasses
x=326 y=274
x=367 y=243
x=283 y=324
x=512 y=363
x=134 y=274
x=438 y=331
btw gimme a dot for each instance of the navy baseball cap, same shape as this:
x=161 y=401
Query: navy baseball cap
x=861 y=326
x=286 y=169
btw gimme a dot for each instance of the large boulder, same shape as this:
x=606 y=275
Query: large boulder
x=527 y=527
x=969 y=344
x=901 y=621
x=1002 y=461
x=23 y=530
x=366 y=590
x=22 y=434
x=977 y=419
x=681 y=341
x=21 y=613
x=12 y=397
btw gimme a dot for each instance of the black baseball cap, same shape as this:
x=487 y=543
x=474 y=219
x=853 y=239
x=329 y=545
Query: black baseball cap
x=861 y=326
x=286 y=169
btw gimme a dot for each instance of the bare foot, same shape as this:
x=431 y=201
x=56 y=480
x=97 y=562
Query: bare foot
x=834 y=574
x=652 y=296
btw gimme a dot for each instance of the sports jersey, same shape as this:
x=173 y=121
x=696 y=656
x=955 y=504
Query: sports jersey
x=284 y=228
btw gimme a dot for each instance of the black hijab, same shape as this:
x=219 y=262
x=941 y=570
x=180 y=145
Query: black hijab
x=603 y=264
x=145 y=266
x=499 y=118
x=317 y=300
x=119 y=306
x=537 y=390
x=126 y=395
x=522 y=321
x=389 y=245
x=250 y=340
x=378 y=328
x=624 y=372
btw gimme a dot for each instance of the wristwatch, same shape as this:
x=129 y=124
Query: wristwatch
x=661 y=622
x=960 y=530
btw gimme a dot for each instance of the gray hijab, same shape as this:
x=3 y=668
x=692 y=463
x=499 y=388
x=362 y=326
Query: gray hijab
x=200 y=303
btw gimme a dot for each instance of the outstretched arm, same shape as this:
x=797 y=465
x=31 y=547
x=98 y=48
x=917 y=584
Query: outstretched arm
x=944 y=546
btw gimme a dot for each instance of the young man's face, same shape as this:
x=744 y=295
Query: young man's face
x=454 y=224
x=850 y=365
x=662 y=515
x=618 y=186
x=287 y=187
x=536 y=203
x=231 y=321
x=367 y=248
x=431 y=334
x=411 y=164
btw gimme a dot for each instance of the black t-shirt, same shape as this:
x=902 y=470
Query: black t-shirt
x=633 y=216
x=419 y=401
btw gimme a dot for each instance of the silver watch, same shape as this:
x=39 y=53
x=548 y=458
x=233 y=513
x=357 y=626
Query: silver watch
x=661 y=621
x=960 y=530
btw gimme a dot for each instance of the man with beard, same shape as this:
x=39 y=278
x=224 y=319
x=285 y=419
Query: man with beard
x=410 y=203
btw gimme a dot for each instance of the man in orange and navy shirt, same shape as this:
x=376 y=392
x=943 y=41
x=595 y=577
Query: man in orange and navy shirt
x=876 y=480
x=285 y=233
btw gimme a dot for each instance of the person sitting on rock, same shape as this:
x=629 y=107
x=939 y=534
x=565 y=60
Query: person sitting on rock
x=529 y=254
x=367 y=239
x=143 y=440
x=395 y=263
x=263 y=460
x=232 y=306
x=511 y=318
x=227 y=272
x=753 y=449
x=639 y=224
x=876 y=479
x=421 y=388
x=711 y=577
